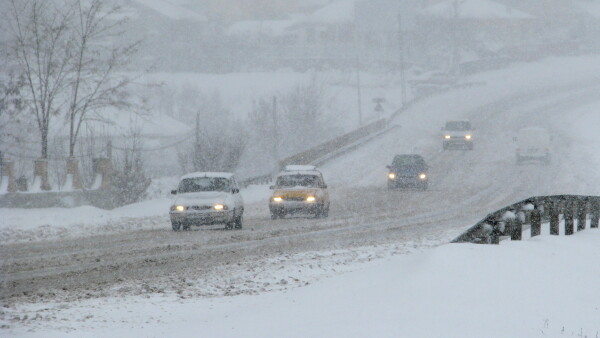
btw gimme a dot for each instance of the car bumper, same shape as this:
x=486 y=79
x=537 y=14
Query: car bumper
x=407 y=182
x=458 y=141
x=294 y=207
x=202 y=217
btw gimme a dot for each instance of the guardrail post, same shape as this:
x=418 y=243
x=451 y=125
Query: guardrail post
x=595 y=214
x=516 y=229
x=554 y=215
x=536 y=222
x=581 y=215
x=569 y=222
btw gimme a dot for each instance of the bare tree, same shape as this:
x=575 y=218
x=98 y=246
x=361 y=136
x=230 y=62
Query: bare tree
x=42 y=50
x=94 y=83
x=70 y=65
x=10 y=105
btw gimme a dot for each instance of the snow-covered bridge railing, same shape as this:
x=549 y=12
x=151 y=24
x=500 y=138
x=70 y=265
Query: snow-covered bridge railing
x=574 y=211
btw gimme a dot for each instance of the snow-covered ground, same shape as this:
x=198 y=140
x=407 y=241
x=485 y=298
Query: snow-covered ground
x=541 y=287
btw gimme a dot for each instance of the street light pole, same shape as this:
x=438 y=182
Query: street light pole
x=402 y=56
x=358 y=89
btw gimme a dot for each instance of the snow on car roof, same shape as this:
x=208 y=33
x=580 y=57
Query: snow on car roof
x=297 y=167
x=301 y=172
x=207 y=174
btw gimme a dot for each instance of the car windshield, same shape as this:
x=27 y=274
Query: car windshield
x=458 y=125
x=198 y=184
x=287 y=181
x=408 y=161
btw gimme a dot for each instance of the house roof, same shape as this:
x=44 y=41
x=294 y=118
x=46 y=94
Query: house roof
x=339 y=11
x=171 y=10
x=590 y=7
x=263 y=27
x=475 y=9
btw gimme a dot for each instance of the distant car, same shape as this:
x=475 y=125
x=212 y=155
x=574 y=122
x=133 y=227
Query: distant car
x=458 y=134
x=408 y=171
x=299 y=189
x=206 y=198
x=533 y=144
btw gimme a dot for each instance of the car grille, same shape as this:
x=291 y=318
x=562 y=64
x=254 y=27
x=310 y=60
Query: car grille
x=295 y=199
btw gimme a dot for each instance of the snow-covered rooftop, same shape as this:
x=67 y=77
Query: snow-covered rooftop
x=207 y=174
x=268 y=27
x=475 y=9
x=171 y=9
x=590 y=7
x=340 y=11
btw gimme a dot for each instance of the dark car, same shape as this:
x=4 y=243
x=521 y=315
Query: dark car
x=408 y=171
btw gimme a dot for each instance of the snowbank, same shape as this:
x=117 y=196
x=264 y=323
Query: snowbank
x=545 y=286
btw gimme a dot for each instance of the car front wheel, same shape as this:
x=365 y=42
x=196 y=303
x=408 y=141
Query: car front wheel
x=238 y=222
x=175 y=225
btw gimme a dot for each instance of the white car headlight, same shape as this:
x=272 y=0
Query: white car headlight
x=422 y=176
x=391 y=176
x=220 y=206
x=447 y=137
x=310 y=199
x=468 y=137
x=277 y=199
x=179 y=208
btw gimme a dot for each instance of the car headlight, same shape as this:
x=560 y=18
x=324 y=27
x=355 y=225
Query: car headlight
x=423 y=176
x=178 y=208
x=310 y=199
x=220 y=206
x=447 y=137
x=468 y=137
x=277 y=199
x=391 y=176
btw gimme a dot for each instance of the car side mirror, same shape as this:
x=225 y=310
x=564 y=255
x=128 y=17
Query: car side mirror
x=272 y=187
x=173 y=192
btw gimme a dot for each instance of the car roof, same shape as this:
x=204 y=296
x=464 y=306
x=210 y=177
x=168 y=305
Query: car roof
x=409 y=155
x=300 y=172
x=207 y=174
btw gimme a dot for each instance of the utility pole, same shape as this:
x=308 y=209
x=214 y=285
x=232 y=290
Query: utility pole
x=358 y=89
x=455 y=47
x=402 y=57
x=196 y=158
x=275 y=135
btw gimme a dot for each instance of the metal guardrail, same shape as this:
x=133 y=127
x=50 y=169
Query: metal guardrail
x=509 y=221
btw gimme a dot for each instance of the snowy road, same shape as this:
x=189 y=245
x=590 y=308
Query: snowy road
x=362 y=214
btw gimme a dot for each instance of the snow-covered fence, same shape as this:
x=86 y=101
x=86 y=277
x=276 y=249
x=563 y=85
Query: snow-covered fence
x=510 y=221
x=70 y=194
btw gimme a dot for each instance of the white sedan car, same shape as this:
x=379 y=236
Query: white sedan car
x=206 y=198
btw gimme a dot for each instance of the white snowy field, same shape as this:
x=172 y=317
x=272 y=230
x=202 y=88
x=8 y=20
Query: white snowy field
x=541 y=287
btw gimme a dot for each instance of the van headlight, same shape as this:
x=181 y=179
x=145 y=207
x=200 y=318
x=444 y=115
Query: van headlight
x=177 y=208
